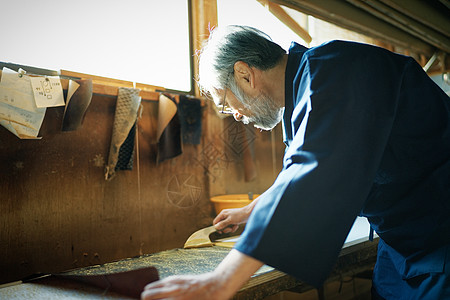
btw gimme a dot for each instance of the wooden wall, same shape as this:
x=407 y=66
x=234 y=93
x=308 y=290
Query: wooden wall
x=57 y=211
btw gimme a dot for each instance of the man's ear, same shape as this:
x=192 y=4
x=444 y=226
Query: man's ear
x=244 y=75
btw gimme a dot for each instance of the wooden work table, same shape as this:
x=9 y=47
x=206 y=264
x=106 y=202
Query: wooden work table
x=357 y=255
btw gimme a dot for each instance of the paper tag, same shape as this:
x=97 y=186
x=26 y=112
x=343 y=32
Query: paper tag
x=15 y=81
x=18 y=111
x=47 y=91
x=23 y=123
x=18 y=99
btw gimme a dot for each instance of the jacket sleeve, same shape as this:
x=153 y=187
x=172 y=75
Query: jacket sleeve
x=340 y=125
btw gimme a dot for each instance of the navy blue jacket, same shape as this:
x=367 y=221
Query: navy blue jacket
x=367 y=133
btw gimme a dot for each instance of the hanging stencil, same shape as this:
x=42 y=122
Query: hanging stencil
x=122 y=142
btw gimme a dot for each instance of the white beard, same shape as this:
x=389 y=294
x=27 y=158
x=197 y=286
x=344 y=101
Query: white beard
x=266 y=114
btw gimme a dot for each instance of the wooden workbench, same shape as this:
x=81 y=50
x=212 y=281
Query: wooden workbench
x=357 y=255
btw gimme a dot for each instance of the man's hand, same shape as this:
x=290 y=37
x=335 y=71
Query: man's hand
x=230 y=275
x=186 y=287
x=228 y=220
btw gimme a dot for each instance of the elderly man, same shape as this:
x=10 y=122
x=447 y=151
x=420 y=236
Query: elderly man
x=367 y=133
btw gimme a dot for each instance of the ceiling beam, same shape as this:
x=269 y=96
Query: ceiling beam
x=421 y=10
x=347 y=16
x=446 y=3
x=412 y=26
x=287 y=20
x=204 y=18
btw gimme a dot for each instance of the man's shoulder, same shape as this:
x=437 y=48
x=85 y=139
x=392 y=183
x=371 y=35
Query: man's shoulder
x=348 y=48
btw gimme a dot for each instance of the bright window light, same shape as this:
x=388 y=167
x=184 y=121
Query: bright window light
x=252 y=13
x=136 y=40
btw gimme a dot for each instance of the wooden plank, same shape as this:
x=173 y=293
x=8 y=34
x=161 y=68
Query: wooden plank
x=204 y=17
x=347 y=16
x=404 y=22
x=110 y=81
x=110 y=87
x=423 y=12
x=446 y=3
x=58 y=212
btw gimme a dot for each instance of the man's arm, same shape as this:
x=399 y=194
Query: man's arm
x=230 y=275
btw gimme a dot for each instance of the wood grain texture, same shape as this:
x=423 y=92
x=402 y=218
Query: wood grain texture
x=57 y=212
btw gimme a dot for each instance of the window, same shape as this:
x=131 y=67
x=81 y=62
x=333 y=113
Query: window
x=136 y=40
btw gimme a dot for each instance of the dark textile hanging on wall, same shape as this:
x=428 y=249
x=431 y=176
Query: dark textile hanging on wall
x=126 y=151
x=190 y=113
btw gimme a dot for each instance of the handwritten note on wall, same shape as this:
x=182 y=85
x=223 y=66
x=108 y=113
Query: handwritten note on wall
x=24 y=99
x=47 y=91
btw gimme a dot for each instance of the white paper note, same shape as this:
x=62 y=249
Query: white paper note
x=17 y=98
x=18 y=111
x=47 y=91
x=15 y=81
x=23 y=123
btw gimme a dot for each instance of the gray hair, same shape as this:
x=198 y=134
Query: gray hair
x=230 y=44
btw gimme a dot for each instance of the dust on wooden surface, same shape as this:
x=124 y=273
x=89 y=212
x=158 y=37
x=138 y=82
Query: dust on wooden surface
x=170 y=262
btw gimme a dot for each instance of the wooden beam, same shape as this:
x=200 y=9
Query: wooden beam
x=107 y=86
x=284 y=17
x=407 y=24
x=110 y=87
x=204 y=18
x=347 y=16
x=446 y=3
x=420 y=10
